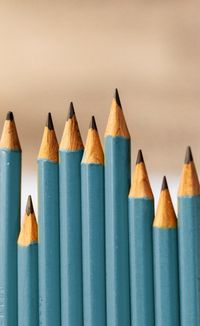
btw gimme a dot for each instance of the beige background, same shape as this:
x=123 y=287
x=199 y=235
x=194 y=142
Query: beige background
x=53 y=52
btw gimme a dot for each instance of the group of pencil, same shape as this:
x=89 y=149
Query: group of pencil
x=102 y=256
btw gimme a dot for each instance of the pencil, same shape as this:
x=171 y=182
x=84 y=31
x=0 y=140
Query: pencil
x=48 y=220
x=189 y=242
x=10 y=193
x=71 y=152
x=141 y=214
x=117 y=185
x=28 y=295
x=167 y=311
x=93 y=230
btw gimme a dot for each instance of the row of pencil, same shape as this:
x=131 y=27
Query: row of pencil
x=102 y=257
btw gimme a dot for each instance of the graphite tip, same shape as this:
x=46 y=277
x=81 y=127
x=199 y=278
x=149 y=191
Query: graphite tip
x=71 y=112
x=188 y=155
x=164 y=184
x=9 y=116
x=29 y=206
x=93 y=123
x=140 y=158
x=117 y=98
x=49 y=123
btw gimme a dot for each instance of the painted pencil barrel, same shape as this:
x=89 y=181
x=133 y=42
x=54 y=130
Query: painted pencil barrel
x=71 y=238
x=49 y=245
x=166 y=277
x=10 y=184
x=117 y=184
x=141 y=214
x=28 y=306
x=189 y=259
x=93 y=231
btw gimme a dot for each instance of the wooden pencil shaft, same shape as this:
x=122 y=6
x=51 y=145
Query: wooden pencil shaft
x=141 y=214
x=49 y=245
x=189 y=258
x=117 y=185
x=28 y=294
x=93 y=235
x=10 y=186
x=71 y=237
x=166 y=277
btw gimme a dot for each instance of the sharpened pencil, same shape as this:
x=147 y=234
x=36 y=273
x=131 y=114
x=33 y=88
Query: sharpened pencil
x=10 y=196
x=141 y=215
x=189 y=242
x=71 y=152
x=49 y=228
x=166 y=279
x=93 y=230
x=117 y=185
x=28 y=294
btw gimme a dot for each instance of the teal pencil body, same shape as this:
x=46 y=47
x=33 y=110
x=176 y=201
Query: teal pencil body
x=167 y=311
x=189 y=258
x=49 y=243
x=10 y=185
x=117 y=185
x=28 y=305
x=141 y=214
x=93 y=237
x=71 y=238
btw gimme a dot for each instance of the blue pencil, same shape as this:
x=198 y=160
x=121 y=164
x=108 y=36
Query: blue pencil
x=10 y=193
x=141 y=215
x=71 y=151
x=93 y=230
x=28 y=305
x=49 y=238
x=167 y=311
x=189 y=243
x=117 y=185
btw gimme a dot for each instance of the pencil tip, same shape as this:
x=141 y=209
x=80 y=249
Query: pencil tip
x=117 y=98
x=29 y=206
x=188 y=155
x=140 y=158
x=49 y=123
x=71 y=111
x=93 y=123
x=9 y=116
x=164 y=184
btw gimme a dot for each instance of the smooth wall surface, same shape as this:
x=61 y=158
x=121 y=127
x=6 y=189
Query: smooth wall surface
x=55 y=52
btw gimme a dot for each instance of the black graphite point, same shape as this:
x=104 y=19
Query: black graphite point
x=71 y=112
x=93 y=124
x=188 y=155
x=117 y=98
x=164 y=184
x=49 y=123
x=140 y=158
x=9 y=116
x=29 y=206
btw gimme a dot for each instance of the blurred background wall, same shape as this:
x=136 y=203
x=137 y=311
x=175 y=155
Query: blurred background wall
x=54 y=52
